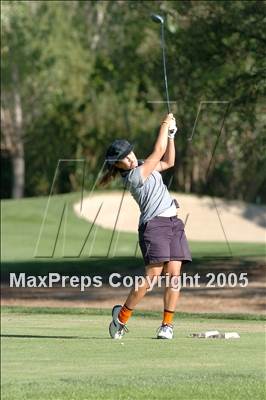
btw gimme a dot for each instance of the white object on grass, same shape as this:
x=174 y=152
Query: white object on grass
x=230 y=335
x=215 y=335
x=207 y=334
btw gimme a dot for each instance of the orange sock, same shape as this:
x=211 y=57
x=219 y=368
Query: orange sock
x=124 y=314
x=168 y=317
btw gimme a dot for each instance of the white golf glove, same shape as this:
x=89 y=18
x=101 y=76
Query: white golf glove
x=172 y=129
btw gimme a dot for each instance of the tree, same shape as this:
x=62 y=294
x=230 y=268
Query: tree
x=76 y=75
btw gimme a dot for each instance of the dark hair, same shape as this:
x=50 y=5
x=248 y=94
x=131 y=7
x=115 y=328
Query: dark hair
x=109 y=175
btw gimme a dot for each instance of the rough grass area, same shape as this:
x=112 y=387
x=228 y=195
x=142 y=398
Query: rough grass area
x=67 y=355
x=22 y=220
x=102 y=253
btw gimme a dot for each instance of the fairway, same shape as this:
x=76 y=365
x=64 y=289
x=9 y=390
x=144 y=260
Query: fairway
x=63 y=354
x=21 y=222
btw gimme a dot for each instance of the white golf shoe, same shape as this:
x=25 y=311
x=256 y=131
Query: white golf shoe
x=116 y=329
x=165 y=332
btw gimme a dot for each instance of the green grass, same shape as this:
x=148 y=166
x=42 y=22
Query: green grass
x=21 y=222
x=143 y=314
x=22 y=219
x=68 y=355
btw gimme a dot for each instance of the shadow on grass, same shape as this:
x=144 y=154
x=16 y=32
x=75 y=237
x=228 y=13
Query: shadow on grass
x=126 y=266
x=138 y=313
x=77 y=266
x=51 y=337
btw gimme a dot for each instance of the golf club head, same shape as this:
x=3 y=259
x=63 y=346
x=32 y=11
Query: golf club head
x=157 y=18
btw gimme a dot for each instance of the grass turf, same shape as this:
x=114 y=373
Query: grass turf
x=68 y=355
x=22 y=219
x=21 y=222
x=65 y=354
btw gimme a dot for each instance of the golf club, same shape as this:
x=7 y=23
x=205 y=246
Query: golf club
x=159 y=19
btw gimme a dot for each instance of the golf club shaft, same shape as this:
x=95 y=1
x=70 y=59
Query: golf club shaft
x=164 y=68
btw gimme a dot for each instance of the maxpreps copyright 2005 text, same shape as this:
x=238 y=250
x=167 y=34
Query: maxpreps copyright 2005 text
x=116 y=280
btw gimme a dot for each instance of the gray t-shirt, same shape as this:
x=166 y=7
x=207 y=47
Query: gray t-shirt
x=151 y=195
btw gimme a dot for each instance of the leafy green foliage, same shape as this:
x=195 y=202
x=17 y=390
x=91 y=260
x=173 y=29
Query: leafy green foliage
x=90 y=72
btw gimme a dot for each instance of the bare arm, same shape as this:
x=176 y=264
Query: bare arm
x=168 y=159
x=159 y=149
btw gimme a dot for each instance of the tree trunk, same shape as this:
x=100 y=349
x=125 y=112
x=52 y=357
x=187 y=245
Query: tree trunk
x=101 y=10
x=18 y=161
x=18 y=166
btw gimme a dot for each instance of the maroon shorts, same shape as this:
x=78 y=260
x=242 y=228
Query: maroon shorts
x=163 y=239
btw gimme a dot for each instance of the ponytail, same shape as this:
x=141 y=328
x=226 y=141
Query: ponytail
x=109 y=175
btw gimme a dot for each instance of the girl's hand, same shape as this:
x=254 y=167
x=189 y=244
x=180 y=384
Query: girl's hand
x=169 y=119
x=172 y=129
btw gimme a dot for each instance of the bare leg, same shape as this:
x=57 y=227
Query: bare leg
x=134 y=297
x=171 y=295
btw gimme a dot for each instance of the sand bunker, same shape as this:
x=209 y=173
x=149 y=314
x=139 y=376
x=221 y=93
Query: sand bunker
x=205 y=217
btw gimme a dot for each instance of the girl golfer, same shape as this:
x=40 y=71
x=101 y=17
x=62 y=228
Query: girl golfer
x=161 y=233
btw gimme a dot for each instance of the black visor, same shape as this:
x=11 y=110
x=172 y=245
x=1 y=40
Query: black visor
x=118 y=150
